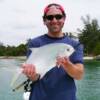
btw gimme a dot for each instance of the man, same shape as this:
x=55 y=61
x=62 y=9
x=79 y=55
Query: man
x=58 y=83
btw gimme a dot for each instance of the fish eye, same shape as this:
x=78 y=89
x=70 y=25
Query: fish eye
x=68 y=49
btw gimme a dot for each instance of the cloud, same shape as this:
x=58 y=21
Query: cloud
x=1 y=1
x=23 y=27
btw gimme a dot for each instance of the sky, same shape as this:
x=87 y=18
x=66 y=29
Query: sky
x=21 y=20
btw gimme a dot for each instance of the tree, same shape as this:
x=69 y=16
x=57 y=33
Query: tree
x=90 y=35
x=21 y=50
x=2 y=49
x=12 y=50
x=97 y=49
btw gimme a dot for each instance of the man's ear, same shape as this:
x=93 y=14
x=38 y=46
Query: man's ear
x=44 y=21
x=64 y=18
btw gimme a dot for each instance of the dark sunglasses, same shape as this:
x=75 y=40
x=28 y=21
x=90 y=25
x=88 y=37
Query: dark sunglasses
x=51 y=17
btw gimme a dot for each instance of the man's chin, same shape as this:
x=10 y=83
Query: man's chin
x=55 y=30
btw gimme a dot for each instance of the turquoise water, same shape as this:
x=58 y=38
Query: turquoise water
x=87 y=89
x=6 y=92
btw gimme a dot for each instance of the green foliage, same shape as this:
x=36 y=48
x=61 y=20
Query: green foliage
x=90 y=36
x=97 y=49
x=13 y=51
x=2 y=50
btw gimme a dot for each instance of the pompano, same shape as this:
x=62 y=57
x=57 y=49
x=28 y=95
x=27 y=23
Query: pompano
x=44 y=58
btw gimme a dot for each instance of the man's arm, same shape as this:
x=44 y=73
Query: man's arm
x=74 y=70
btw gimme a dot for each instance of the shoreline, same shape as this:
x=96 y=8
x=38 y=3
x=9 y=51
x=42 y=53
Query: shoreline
x=12 y=57
x=24 y=57
x=88 y=58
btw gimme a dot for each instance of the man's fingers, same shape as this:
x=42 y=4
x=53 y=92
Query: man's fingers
x=28 y=69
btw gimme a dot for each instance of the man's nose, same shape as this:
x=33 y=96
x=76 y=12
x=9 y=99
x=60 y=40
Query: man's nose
x=54 y=19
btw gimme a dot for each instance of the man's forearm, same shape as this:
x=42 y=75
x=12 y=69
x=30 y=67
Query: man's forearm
x=75 y=70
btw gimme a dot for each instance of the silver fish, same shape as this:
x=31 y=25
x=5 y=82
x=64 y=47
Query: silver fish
x=44 y=58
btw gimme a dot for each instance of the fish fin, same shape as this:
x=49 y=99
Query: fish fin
x=16 y=76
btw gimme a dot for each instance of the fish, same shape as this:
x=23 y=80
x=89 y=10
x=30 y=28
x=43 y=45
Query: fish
x=44 y=58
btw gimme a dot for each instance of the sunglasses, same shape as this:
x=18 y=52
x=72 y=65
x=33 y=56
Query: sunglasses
x=51 y=17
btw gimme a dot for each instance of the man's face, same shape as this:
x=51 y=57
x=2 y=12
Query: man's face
x=54 y=20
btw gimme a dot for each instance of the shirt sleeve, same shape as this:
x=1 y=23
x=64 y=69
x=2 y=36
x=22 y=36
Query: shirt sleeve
x=77 y=56
x=32 y=43
x=29 y=45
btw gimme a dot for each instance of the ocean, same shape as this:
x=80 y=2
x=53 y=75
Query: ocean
x=87 y=89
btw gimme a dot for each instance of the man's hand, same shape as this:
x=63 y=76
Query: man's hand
x=62 y=61
x=30 y=71
x=74 y=70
